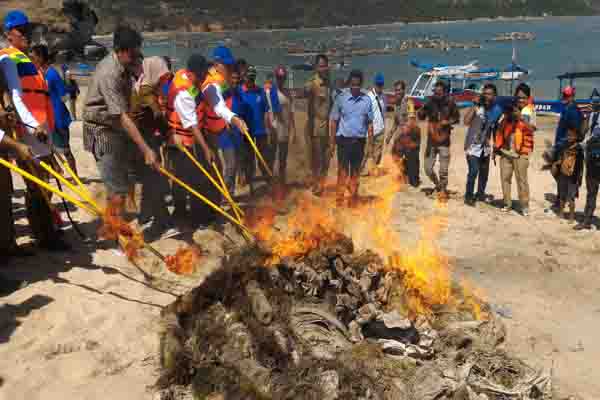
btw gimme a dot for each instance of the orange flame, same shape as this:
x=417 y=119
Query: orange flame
x=309 y=226
x=425 y=269
x=115 y=228
x=184 y=261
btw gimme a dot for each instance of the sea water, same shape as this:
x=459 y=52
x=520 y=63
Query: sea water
x=562 y=44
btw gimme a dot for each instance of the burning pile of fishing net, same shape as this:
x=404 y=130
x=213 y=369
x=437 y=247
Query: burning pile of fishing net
x=334 y=323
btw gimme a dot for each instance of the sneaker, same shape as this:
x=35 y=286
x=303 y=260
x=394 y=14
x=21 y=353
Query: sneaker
x=506 y=209
x=484 y=198
x=55 y=245
x=583 y=226
x=170 y=232
x=156 y=231
x=469 y=201
x=9 y=286
x=525 y=212
x=19 y=251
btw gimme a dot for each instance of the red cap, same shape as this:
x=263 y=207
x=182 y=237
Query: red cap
x=280 y=71
x=568 y=91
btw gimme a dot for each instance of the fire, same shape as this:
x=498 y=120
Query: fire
x=115 y=228
x=184 y=261
x=309 y=225
x=425 y=269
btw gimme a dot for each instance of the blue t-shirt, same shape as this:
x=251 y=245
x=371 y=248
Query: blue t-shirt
x=231 y=138
x=58 y=89
x=353 y=114
x=570 y=118
x=258 y=106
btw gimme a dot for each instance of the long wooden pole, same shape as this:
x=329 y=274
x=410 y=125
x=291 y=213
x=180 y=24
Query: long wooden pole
x=260 y=157
x=222 y=190
x=238 y=213
x=75 y=189
x=47 y=186
x=204 y=199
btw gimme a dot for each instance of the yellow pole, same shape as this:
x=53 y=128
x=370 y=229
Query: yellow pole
x=201 y=197
x=75 y=189
x=95 y=212
x=65 y=164
x=205 y=172
x=47 y=186
x=238 y=212
x=260 y=157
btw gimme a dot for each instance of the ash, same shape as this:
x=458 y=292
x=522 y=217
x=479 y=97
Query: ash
x=331 y=324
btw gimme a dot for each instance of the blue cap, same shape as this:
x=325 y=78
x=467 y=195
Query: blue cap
x=379 y=79
x=14 y=19
x=222 y=55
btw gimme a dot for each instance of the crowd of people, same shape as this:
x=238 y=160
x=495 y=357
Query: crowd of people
x=140 y=115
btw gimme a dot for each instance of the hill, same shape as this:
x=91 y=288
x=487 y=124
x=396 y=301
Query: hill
x=190 y=15
x=237 y=14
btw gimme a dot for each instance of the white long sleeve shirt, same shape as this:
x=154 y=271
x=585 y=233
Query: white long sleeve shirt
x=185 y=106
x=215 y=98
x=13 y=83
x=378 y=105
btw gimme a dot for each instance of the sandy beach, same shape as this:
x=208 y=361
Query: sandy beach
x=85 y=327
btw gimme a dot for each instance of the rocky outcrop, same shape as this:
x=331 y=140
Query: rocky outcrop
x=69 y=30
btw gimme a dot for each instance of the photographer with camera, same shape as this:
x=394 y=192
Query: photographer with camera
x=482 y=120
x=591 y=149
x=514 y=143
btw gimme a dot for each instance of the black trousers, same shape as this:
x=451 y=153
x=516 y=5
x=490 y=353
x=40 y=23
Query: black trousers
x=350 y=154
x=412 y=165
x=7 y=228
x=39 y=214
x=479 y=169
x=280 y=152
x=248 y=157
x=184 y=169
x=154 y=187
x=592 y=181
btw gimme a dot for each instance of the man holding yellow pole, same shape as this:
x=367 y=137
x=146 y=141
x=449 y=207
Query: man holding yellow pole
x=109 y=131
x=197 y=114
x=28 y=94
x=8 y=244
x=216 y=111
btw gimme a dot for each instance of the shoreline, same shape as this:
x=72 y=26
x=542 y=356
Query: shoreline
x=167 y=34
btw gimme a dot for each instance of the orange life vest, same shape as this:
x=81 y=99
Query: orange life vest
x=34 y=86
x=177 y=133
x=523 y=136
x=212 y=122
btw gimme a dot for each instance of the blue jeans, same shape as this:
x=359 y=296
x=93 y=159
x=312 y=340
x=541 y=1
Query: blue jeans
x=479 y=167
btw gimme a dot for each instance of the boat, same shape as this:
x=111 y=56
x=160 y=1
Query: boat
x=464 y=81
x=556 y=106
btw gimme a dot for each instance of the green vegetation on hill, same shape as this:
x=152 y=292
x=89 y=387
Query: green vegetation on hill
x=235 y=14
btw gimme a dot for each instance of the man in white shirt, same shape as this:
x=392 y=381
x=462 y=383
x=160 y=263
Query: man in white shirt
x=379 y=105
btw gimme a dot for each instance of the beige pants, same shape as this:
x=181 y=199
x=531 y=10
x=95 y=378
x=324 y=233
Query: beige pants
x=518 y=167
